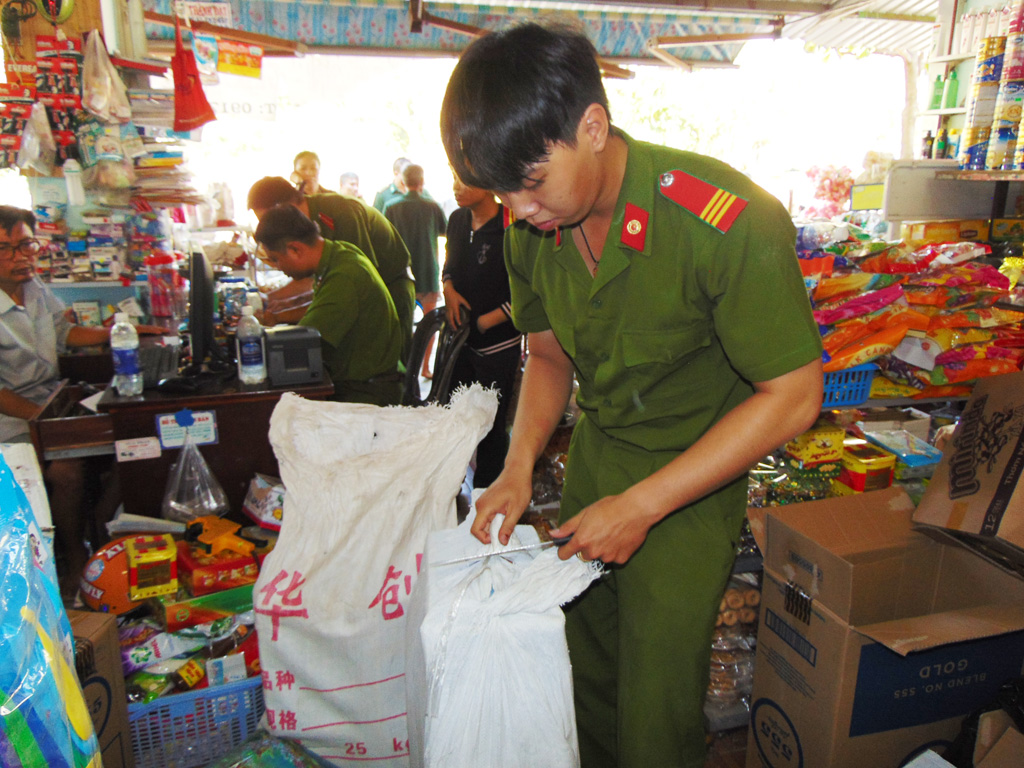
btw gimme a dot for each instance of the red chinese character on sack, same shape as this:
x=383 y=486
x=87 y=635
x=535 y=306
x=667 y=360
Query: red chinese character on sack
x=286 y=598
x=388 y=597
x=287 y=721
x=285 y=679
x=265 y=677
x=270 y=719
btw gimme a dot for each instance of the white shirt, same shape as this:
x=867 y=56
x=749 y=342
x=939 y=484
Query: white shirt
x=31 y=336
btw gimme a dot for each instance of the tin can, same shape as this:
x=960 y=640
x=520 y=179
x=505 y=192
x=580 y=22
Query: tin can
x=1013 y=58
x=1009 y=103
x=981 y=105
x=1001 y=146
x=988 y=62
x=973 y=147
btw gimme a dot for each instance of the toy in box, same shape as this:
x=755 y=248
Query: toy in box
x=204 y=572
x=264 y=502
x=915 y=458
x=152 y=566
x=182 y=610
x=865 y=467
x=821 y=444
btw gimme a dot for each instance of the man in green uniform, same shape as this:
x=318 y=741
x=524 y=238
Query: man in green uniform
x=351 y=308
x=668 y=283
x=352 y=221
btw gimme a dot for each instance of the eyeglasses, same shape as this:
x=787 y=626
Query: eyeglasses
x=25 y=248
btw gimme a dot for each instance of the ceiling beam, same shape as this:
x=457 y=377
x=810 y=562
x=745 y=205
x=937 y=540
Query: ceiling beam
x=750 y=7
x=271 y=45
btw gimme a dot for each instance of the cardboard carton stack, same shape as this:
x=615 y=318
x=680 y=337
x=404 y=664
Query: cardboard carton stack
x=884 y=625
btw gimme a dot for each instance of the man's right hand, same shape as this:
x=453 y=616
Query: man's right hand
x=508 y=495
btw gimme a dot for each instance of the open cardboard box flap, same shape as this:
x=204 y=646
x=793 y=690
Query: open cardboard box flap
x=859 y=558
x=975 y=488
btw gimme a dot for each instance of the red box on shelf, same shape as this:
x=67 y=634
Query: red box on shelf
x=203 y=573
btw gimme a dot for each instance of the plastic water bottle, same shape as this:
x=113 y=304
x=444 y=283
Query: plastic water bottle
x=124 y=344
x=252 y=361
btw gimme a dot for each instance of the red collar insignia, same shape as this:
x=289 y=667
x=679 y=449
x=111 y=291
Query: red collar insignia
x=326 y=220
x=634 y=227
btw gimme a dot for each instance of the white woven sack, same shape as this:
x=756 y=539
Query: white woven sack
x=364 y=486
x=488 y=675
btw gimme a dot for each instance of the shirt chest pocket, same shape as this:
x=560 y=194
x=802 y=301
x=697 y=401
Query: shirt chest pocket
x=672 y=347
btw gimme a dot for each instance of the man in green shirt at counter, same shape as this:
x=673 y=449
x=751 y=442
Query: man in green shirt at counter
x=352 y=221
x=351 y=308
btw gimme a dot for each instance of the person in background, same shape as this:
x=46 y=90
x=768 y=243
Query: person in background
x=33 y=331
x=349 y=184
x=306 y=173
x=474 y=278
x=351 y=221
x=420 y=221
x=396 y=188
x=667 y=283
x=351 y=308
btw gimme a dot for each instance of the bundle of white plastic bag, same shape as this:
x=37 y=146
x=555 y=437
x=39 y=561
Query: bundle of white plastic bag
x=363 y=488
x=488 y=675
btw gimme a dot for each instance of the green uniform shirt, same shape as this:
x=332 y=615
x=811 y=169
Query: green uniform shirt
x=358 y=326
x=668 y=336
x=353 y=221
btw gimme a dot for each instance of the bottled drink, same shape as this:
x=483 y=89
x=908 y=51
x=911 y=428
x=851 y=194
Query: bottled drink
x=926 y=145
x=939 y=147
x=252 y=362
x=949 y=90
x=124 y=346
x=936 y=102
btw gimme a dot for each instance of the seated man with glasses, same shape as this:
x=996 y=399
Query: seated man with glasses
x=33 y=330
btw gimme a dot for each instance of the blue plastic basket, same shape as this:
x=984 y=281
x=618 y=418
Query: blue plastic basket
x=851 y=386
x=188 y=730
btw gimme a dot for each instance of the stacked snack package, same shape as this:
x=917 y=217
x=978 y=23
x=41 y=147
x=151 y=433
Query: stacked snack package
x=925 y=315
x=733 y=643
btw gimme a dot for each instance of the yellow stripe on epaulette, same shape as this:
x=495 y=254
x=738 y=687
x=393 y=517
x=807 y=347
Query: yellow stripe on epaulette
x=711 y=204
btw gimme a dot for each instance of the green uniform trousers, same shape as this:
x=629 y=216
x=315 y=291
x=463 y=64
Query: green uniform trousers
x=640 y=637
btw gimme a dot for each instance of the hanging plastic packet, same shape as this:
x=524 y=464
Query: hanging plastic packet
x=38 y=149
x=103 y=92
x=192 y=490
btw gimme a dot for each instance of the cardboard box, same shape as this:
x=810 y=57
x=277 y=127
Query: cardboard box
x=917 y=423
x=975 y=491
x=98 y=663
x=922 y=232
x=875 y=639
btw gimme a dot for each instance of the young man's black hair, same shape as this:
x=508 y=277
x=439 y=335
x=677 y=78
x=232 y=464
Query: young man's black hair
x=512 y=95
x=284 y=224
x=10 y=217
x=270 y=191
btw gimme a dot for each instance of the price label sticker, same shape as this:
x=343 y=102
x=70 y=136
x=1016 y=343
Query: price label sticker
x=171 y=430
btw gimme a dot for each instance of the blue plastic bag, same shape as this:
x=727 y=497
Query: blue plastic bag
x=43 y=717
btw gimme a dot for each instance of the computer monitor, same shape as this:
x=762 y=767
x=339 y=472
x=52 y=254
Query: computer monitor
x=207 y=354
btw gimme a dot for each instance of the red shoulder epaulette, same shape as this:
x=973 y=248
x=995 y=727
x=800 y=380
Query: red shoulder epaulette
x=326 y=220
x=710 y=204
